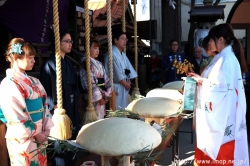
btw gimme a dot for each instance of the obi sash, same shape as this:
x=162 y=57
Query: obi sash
x=35 y=108
x=101 y=81
x=2 y=118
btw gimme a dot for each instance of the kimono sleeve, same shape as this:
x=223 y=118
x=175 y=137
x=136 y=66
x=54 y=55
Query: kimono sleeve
x=83 y=79
x=117 y=72
x=107 y=83
x=47 y=121
x=218 y=94
x=133 y=73
x=45 y=78
x=20 y=125
x=96 y=94
x=217 y=103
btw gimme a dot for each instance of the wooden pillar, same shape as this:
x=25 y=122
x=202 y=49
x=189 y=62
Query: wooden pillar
x=191 y=38
x=248 y=46
x=191 y=31
x=171 y=24
x=3 y=149
x=142 y=78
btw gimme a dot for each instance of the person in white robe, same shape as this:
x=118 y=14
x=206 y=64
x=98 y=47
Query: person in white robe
x=123 y=71
x=220 y=120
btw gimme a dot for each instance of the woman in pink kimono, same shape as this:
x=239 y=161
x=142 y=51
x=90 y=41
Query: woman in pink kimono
x=24 y=108
x=221 y=105
x=101 y=88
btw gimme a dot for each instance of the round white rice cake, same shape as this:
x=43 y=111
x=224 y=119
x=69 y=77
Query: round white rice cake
x=168 y=93
x=152 y=107
x=174 y=85
x=118 y=136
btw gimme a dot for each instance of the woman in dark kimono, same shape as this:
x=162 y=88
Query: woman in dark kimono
x=69 y=84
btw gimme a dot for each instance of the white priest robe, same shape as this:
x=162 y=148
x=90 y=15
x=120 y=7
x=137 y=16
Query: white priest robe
x=120 y=63
x=221 y=108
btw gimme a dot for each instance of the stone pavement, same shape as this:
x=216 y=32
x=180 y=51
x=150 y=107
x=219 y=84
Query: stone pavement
x=186 y=149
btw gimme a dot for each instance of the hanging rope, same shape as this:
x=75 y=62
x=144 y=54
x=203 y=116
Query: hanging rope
x=124 y=19
x=90 y=114
x=135 y=44
x=62 y=125
x=58 y=56
x=112 y=102
x=109 y=33
x=136 y=89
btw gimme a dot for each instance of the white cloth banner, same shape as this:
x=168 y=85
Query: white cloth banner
x=199 y=35
x=144 y=6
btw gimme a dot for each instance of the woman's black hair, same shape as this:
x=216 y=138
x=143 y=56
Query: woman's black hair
x=205 y=42
x=225 y=30
x=62 y=33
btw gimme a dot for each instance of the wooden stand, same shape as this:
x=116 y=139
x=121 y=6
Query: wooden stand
x=159 y=121
x=81 y=158
x=171 y=138
x=116 y=161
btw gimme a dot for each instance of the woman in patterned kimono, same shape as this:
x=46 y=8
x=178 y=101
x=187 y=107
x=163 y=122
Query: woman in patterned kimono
x=221 y=104
x=24 y=106
x=101 y=88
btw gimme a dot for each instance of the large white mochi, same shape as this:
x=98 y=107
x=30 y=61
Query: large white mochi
x=155 y=107
x=117 y=136
x=168 y=93
x=174 y=85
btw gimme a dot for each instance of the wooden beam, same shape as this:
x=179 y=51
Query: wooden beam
x=240 y=26
x=247 y=53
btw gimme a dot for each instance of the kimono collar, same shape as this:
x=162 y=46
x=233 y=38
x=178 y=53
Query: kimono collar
x=84 y=59
x=226 y=49
x=174 y=53
x=222 y=53
x=117 y=50
x=12 y=72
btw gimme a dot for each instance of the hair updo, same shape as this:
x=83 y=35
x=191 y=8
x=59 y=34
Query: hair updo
x=26 y=50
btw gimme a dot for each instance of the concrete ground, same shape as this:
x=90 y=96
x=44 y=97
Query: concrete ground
x=186 y=148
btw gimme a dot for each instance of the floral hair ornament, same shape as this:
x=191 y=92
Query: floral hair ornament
x=16 y=48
